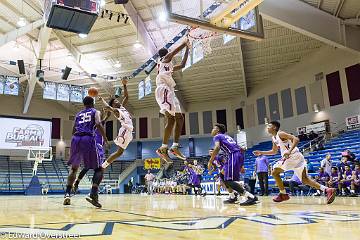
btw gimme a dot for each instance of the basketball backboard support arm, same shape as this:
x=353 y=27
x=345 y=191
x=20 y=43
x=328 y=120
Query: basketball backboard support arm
x=206 y=25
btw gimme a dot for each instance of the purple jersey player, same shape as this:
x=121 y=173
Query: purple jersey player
x=233 y=164
x=335 y=178
x=347 y=177
x=194 y=180
x=356 y=176
x=84 y=150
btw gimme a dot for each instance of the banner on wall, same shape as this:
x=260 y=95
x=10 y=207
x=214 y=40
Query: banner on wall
x=316 y=127
x=152 y=163
x=22 y=133
x=353 y=122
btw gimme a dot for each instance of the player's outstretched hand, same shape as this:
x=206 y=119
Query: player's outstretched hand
x=124 y=81
x=256 y=153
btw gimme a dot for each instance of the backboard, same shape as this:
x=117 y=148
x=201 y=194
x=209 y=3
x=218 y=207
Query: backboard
x=234 y=17
x=39 y=153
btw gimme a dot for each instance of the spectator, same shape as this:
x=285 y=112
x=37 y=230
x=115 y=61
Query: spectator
x=319 y=146
x=130 y=185
x=350 y=156
x=292 y=184
x=309 y=166
x=322 y=178
x=262 y=169
x=149 y=180
x=335 y=178
x=342 y=164
x=356 y=178
x=347 y=178
x=326 y=163
x=313 y=135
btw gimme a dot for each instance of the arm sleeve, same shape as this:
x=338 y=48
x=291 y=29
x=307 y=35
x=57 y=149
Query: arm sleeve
x=97 y=117
x=217 y=138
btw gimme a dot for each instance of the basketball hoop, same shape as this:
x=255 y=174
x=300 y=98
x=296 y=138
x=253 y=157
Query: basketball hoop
x=39 y=157
x=203 y=37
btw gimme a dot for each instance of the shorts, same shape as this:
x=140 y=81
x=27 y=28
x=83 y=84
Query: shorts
x=296 y=162
x=167 y=100
x=101 y=151
x=124 y=137
x=83 y=150
x=233 y=166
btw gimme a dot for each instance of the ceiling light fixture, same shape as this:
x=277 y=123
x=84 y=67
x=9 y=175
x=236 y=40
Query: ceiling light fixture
x=137 y=44
x=83 y=35
x=117 y=64
x=21 y=22
x=163 y=17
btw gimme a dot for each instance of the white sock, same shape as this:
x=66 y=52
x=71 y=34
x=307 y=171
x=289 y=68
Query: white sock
x=175 y=144
x=283 y=191
x=323 y=188
x=248 y=195
x=352 y=191
x=105 y=164
x=232 y=195
x=164 y=145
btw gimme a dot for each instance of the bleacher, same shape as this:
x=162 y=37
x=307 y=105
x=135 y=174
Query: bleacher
x=348 y=140
x=15 y=175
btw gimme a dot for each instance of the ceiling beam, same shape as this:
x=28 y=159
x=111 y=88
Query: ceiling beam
x=338 y=7
x=14 y=34
x=312 y=22
x=242 y=67
x=140 y=28
x=40 y=51
x=78 y=57
x=319 y=4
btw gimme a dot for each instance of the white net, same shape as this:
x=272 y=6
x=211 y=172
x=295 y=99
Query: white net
x=202 y=37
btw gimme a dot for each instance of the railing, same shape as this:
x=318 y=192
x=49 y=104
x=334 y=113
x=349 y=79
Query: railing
x=308 y=146
x=129 y=169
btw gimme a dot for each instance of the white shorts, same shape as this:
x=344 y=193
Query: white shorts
x=124 y=137
x=167 y=100
x=296 y=162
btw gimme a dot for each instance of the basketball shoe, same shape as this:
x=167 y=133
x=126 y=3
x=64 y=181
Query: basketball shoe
x=175 y=151
x=163 y=154
x=281 y=197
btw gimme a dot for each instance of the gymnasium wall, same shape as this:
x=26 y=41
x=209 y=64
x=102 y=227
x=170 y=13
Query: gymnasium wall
x=288 y=96
x=13 y=106
x=298 y=91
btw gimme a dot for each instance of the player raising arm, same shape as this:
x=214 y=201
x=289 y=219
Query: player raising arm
x=125 y=132
x=292 y=159
x=167 y=100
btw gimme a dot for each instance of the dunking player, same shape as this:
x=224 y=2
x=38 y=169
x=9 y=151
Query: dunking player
x=125 y=132
x=83 y=149
x=233 y=165
x=167 y=100
x=99 y=140
x=292 y=159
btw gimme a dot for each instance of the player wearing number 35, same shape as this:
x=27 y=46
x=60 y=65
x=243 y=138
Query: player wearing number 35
x=83 y=149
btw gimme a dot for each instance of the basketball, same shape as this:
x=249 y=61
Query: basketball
x=93 y=92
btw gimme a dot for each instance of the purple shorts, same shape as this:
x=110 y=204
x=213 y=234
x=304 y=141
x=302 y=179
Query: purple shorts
x=83 y=150
x=194 y=180
x=233 y=166
x=101 y=152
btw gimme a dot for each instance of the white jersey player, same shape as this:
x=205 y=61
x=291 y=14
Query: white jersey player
x=167 y=100
x=292 y=159
x=125 y=132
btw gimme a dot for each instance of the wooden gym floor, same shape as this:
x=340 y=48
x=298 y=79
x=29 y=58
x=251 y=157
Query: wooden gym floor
x=178 y=217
